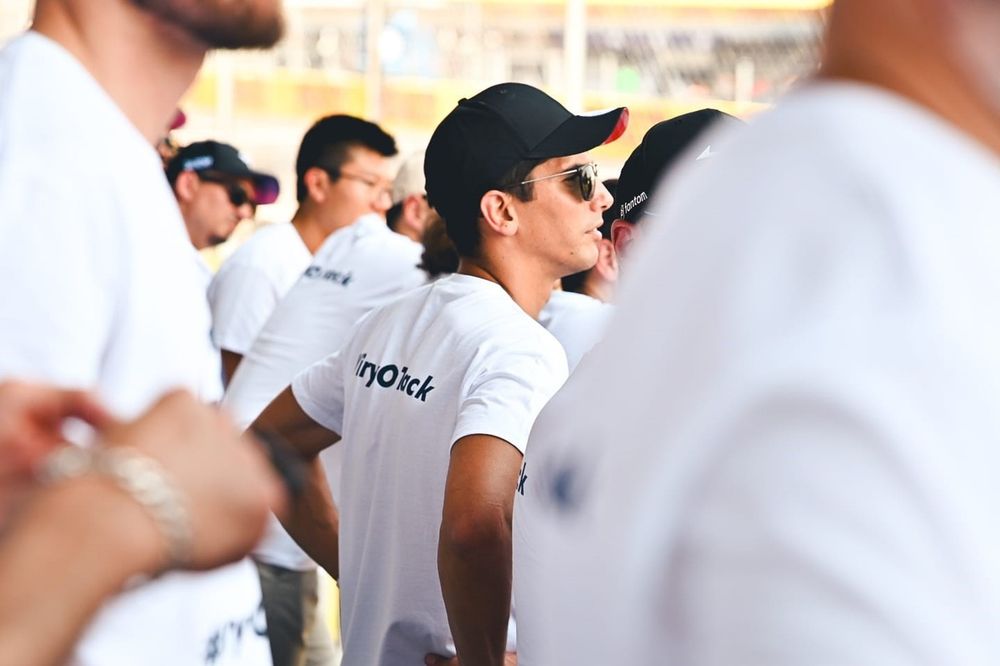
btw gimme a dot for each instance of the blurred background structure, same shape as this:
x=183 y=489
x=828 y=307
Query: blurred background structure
x=404 y=64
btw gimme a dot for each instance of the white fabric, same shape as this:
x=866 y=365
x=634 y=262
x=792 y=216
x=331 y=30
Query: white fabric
x=250 y=283
x=99 y=290
x=786 y=450
x=357 y=269
x=476 y=364
x=576 y=320
x=213 y=367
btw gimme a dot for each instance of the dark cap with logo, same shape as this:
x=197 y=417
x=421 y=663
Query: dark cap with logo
x=221 y=158
x=489 y=134
x=660 y=148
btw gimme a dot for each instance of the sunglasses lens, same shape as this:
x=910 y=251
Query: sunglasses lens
x=237 y=195
x=588 y=181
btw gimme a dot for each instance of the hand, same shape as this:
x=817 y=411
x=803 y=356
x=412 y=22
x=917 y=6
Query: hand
x=228 y=486
x=509 y=659
x=31 y=421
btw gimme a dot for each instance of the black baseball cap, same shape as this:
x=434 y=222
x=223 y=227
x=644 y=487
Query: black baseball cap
x=487 y=135
x=221 y=158
x=660 y=148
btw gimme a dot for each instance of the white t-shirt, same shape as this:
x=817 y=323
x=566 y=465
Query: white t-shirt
x=576 y=320
x=252 y=281
x=99 y=291
x=455 y=358
x=357 y=269
x=795 y=454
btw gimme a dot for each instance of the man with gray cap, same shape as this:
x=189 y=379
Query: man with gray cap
x=436 y=392
x=359 y=267
x=410 y=211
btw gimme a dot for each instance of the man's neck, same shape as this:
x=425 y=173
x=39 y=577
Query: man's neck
x=598 y=289
x=313 y=229
x=144 y=65
x=916 y=59
x=528 y=289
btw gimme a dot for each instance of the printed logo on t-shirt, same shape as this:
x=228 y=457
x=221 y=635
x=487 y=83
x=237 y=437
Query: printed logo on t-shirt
x=392 y=377
x=329 y=274
x=226 y=643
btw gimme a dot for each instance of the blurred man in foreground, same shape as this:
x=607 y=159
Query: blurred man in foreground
x=97 y=279
x=788 y=442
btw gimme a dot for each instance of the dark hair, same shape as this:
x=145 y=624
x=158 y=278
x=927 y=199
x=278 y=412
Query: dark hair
x=439 y=256
x=329 y=141
x=393 y=214
x=463 y=228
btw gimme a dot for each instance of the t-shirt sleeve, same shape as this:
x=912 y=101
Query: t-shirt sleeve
x=510 y=389
x=59 y=276
x=241 y=298
x=319 y=390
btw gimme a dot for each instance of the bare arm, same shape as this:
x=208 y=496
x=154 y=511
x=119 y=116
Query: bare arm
x=46 y=604
x=230 y=361
x=313 y=520
x=474 y=551
x=225 y=485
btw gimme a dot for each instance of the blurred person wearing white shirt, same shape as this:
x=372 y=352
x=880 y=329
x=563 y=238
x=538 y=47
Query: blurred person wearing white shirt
x=360 y=266
x=97 y=281
x=342 y=172
x=794 y=453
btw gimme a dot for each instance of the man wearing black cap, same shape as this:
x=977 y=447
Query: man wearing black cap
x=662 y=146
x=436 y=392
x=216 y=189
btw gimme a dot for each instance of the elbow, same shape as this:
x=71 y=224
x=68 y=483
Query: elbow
x=471 y=535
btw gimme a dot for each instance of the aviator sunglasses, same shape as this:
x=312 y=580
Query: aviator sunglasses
x=585 y=175
x=238 y=196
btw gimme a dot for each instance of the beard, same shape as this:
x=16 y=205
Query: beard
x=223 y=24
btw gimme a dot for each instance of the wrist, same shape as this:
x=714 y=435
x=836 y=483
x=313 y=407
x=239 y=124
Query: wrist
x=100 y=523
x=138 y=479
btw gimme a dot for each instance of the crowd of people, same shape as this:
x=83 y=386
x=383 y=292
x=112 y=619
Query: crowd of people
x=734 y=405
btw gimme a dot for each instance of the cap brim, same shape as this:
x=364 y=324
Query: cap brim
x=578 y=134
x=265 y=188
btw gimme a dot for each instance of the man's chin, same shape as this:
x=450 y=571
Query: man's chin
x=220 y=24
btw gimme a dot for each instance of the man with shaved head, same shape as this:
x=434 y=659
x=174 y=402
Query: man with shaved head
x=789 y=447
x=99 y=286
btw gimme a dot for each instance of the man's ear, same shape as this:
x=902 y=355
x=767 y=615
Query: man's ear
x=622 y=235
x=317 y=183
x=498 y=213
x=607 y=261
x=414 y=212
x=186 y=186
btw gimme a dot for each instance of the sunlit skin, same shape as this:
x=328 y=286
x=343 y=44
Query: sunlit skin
x=363 y=188
x=942 y=54
x=151 y=61
x=527 y=245
x=209 y=216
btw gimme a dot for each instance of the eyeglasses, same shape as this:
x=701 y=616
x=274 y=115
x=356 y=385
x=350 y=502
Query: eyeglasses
x=238 y=196
x=373 y=182
x=586 y=179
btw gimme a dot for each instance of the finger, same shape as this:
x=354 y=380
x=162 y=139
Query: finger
x=84 y=406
